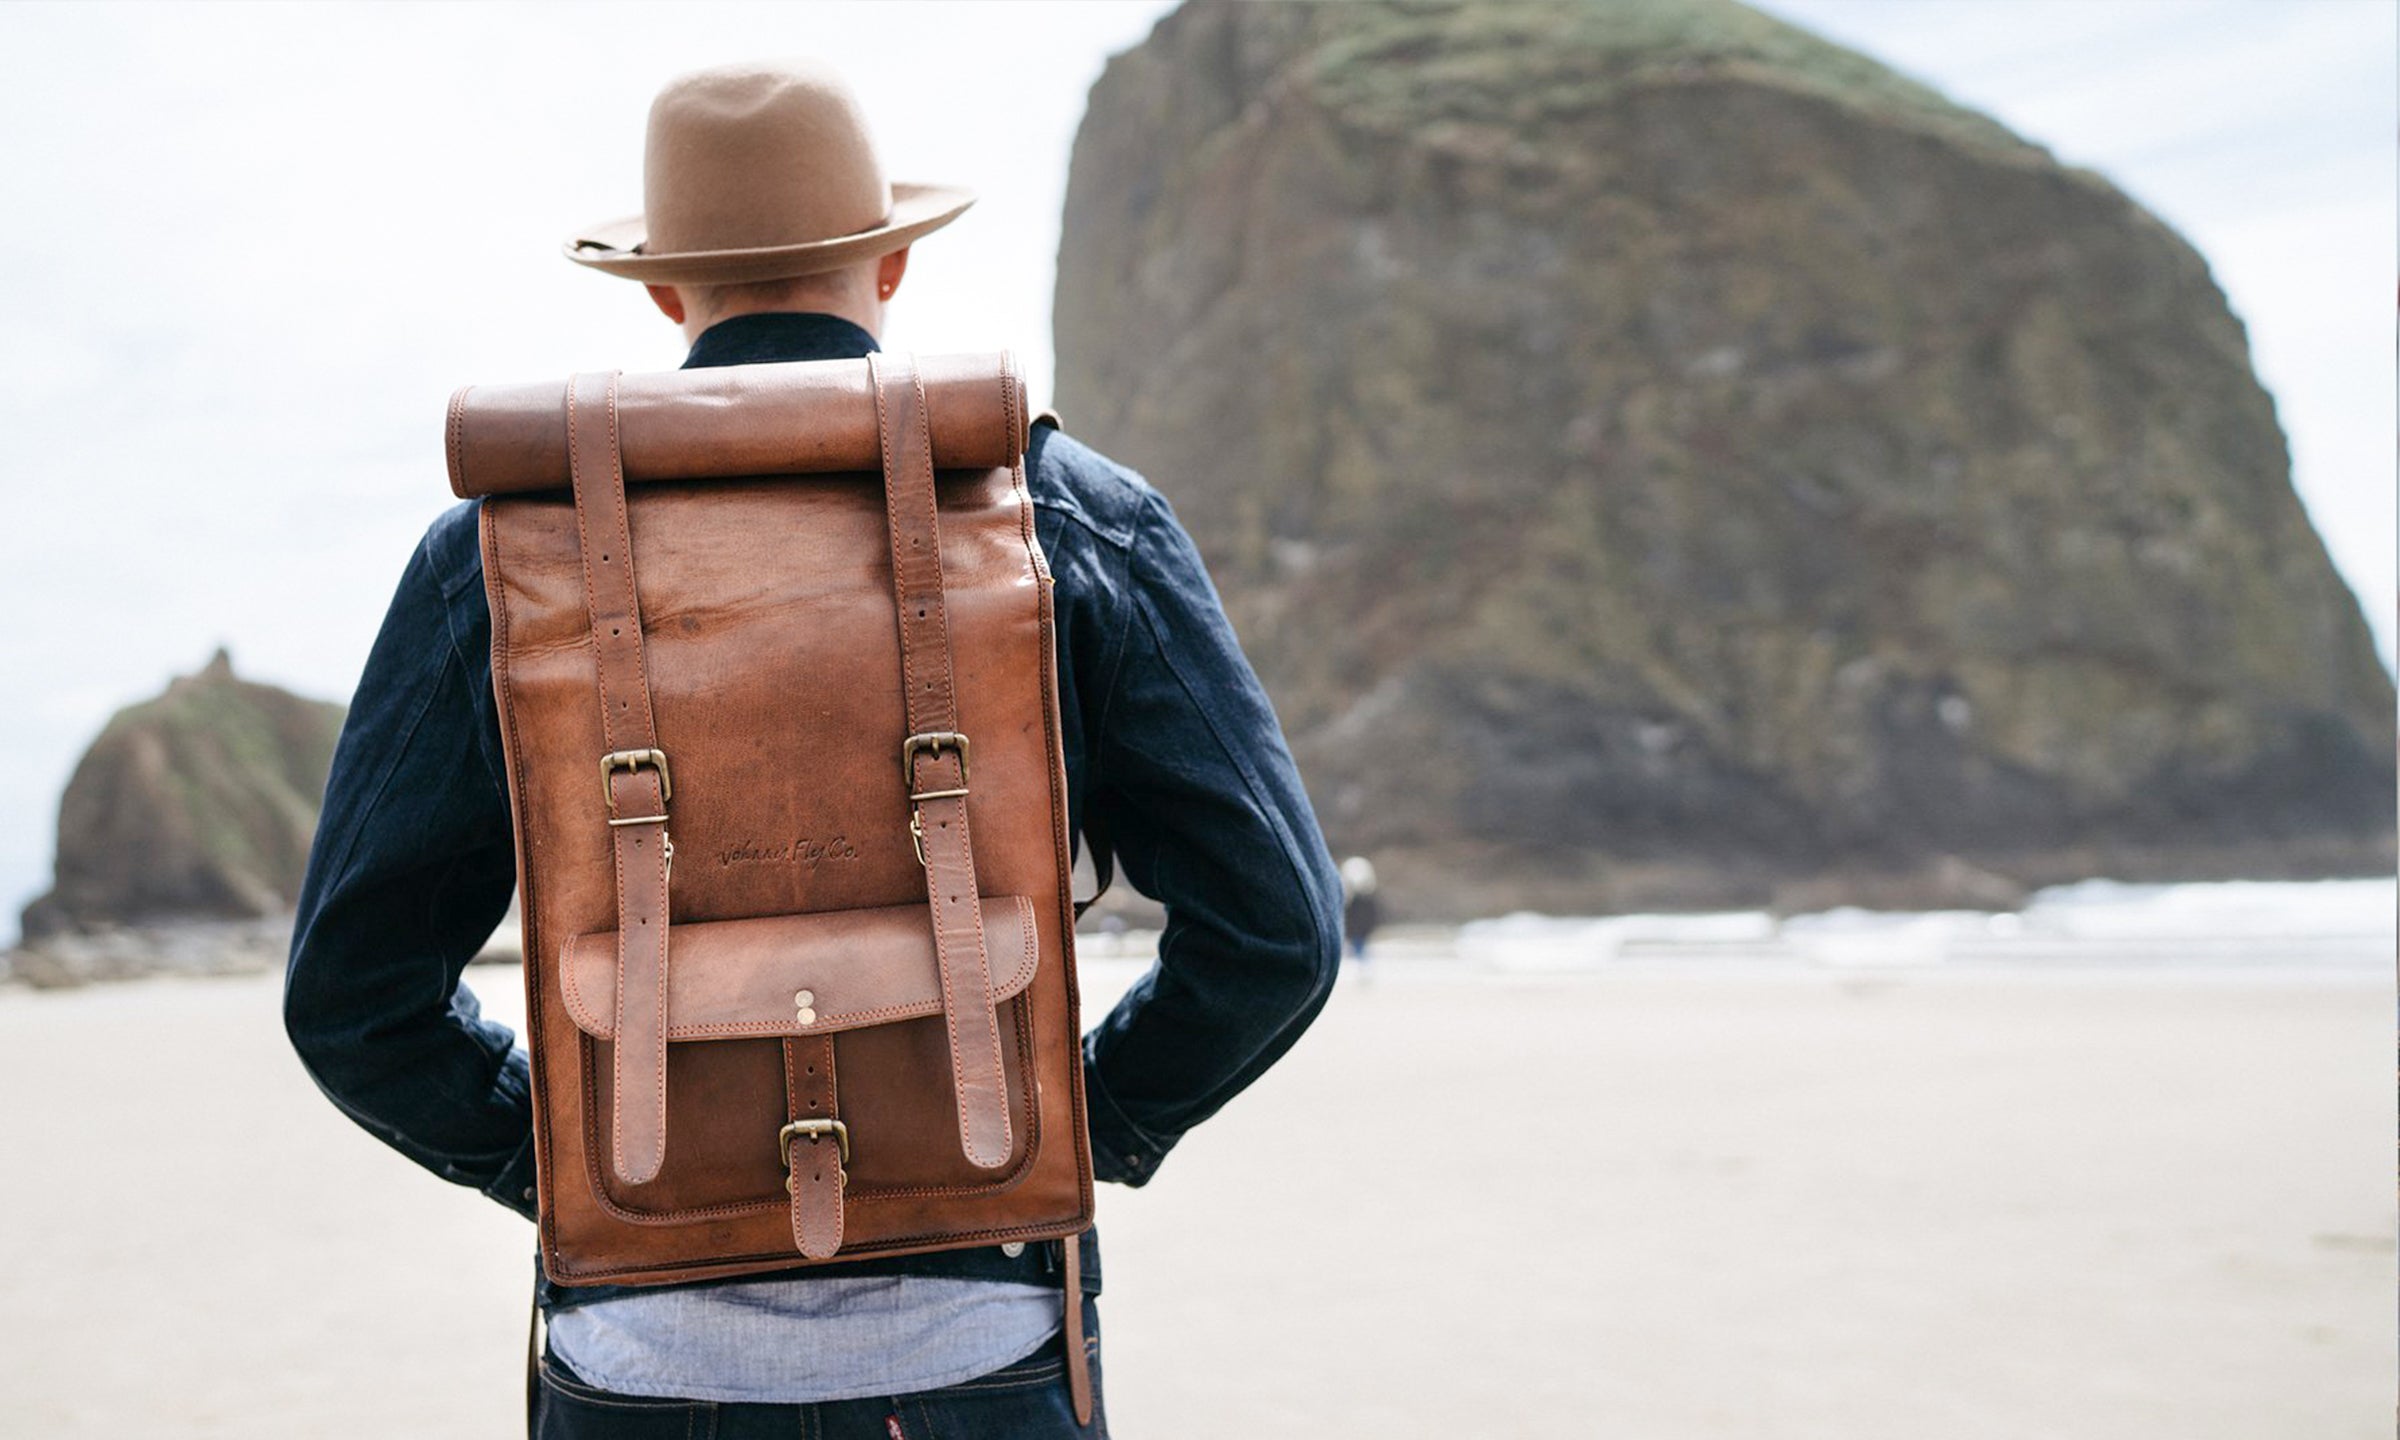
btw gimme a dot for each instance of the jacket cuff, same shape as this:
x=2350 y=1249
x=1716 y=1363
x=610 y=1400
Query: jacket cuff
x=1122 y=1152
x=514 y=1188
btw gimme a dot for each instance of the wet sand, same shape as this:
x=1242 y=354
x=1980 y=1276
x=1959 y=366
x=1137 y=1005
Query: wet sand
x=1719 y=1203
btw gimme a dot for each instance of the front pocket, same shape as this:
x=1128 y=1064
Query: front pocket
x=732 y=978
x=873 y=986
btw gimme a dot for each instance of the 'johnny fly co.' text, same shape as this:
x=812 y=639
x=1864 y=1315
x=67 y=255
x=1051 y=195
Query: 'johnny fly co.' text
x=802 y=851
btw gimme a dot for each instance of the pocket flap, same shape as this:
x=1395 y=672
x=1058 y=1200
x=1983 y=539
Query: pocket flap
x=728 y=979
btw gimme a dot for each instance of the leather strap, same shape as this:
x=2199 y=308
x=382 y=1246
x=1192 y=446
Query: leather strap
x=1101 y=846
x=533 y=1364
x=939 y=772
x=1079 y=1365
x=637 y=789
x=815 y=1176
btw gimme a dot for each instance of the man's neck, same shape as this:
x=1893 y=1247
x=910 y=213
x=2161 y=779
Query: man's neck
x=866 y=314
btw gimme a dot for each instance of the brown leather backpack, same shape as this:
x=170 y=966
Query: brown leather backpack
x=791 y=815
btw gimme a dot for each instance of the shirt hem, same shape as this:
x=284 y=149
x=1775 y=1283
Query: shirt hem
x=728 y=1395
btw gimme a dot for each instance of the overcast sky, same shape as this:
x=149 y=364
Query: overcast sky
x=249 y=251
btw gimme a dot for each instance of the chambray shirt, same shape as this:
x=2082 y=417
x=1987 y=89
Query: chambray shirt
x=1172 y=752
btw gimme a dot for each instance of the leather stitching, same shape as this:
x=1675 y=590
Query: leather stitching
x=458 y=441
x=587 y=1019
x=1028 y=1102
x=936 y=712
x=504 y=695
x=589 y=491
x=963 y=858
x=591 y=594
x=903 y=583
x=619 y=508
x=734 y=1209
x=1045 y=607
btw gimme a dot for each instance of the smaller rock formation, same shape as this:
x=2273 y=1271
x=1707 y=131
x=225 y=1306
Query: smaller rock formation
x=183 y=834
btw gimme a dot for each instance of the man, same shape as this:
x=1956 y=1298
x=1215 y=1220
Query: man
x=1172 y=751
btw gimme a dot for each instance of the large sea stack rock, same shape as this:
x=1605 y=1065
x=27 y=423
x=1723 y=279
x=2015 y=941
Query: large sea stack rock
x=1655 y=456
x=197 y=805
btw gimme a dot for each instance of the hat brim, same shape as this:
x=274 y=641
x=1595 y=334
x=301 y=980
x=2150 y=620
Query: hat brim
x=615 y=248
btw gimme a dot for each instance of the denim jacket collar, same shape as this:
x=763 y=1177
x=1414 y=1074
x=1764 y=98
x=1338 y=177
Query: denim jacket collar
x=778 y=335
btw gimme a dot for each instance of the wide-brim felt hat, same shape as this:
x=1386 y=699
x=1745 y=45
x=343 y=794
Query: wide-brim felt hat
x=761 y=172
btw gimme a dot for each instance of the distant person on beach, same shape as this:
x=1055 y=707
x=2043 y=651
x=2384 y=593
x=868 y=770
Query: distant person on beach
x=1172 y=752
x=1361 y=910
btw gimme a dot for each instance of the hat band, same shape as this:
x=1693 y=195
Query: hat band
x=885 y=223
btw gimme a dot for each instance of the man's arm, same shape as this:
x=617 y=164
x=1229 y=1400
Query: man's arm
x=1207 y=815
x=412 y=867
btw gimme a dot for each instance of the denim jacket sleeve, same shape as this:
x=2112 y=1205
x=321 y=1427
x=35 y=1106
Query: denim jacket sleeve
x=412 y=867
x=1205 y=811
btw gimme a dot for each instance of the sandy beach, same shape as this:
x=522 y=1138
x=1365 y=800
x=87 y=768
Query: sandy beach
x=1716 y=1201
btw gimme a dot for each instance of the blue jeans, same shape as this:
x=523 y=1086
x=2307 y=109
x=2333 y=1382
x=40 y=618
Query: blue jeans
x=1028 y=1399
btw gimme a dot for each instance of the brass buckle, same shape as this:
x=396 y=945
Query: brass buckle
x=616 y=760
x=813 y=1129
x=927 y=743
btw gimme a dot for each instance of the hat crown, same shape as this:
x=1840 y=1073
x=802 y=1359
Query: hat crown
x=749 y=156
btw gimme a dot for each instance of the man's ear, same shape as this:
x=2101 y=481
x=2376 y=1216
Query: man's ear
x=669 y=301
x=889 y=270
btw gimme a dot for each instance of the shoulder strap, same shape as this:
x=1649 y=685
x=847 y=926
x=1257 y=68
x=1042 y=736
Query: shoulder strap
x=1101 y=846
x=1079 y=1361
x=633 y=774
x=933 y=762
x=1096 y=840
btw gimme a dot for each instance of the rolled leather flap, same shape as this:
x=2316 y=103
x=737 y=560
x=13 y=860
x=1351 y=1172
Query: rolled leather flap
x=733 y=979
x=799 y=418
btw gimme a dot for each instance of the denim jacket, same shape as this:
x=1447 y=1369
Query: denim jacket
x=1172 y=752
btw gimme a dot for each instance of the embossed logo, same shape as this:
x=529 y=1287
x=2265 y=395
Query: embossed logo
x=802 y=851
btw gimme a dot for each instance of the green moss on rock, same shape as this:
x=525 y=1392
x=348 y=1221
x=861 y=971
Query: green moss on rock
x=1654 y=455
